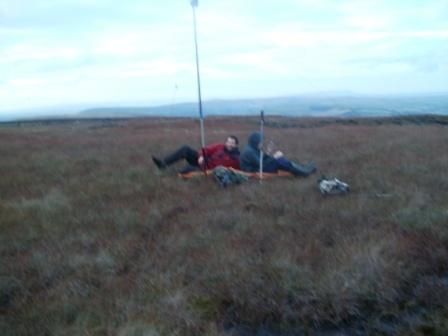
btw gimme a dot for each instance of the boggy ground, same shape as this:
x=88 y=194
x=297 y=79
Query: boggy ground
x=95 y=241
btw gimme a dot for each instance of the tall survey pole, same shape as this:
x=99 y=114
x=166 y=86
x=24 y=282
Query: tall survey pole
x=261 y=144
x=194 y=5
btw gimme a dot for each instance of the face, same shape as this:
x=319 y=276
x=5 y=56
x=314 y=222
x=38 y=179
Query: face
x=230 y=144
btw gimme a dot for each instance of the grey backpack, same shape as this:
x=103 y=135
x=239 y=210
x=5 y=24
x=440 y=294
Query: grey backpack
x=332 y=187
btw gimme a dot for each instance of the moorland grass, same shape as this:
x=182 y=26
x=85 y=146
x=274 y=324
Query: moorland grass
x=96 y=241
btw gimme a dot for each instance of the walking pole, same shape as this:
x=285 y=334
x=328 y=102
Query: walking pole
x=194 y=4
x=261 y=143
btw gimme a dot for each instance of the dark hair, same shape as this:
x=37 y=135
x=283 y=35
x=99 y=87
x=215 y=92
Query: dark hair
x=234 y=138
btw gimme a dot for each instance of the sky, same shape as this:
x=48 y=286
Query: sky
x=141 y=52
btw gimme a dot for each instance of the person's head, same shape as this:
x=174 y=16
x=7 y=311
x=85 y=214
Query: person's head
x=254 y=140
x=231 y=143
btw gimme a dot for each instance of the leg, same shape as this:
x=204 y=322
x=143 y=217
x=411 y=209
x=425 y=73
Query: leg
x=295 y=168
x=270 y=164
x=185 y=152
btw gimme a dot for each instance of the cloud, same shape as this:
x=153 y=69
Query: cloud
x=136 y=50
x=27 y=82
x=153 y=68
x=291 y=37
x=30 y=52
x=370 y=22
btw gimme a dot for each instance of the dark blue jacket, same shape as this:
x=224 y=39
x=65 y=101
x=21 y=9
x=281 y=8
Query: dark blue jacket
x=250 y=157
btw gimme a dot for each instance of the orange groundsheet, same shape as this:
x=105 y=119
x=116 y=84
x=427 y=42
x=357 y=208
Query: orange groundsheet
x=280 y=173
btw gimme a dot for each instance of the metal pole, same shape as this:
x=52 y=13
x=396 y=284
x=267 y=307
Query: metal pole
x=261 y=143
x=194 y=4
x=201 y=115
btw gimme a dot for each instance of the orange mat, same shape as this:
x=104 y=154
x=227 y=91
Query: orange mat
x=280 y=173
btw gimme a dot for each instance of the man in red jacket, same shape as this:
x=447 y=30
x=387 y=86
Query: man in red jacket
x=226 y=155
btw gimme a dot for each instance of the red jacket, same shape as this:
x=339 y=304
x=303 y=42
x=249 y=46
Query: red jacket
x=217 y=155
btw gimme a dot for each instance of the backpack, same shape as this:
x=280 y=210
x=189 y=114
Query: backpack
x=332 y=187
x=225 y=176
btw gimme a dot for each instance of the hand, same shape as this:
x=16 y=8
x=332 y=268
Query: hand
x=201 y=160
x=278 y=154
x=270 y=148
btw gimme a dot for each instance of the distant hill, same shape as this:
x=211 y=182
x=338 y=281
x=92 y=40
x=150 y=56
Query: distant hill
x=347 y=105
x=319 y=105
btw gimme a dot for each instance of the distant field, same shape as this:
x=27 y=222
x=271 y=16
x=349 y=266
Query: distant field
x=95 y=241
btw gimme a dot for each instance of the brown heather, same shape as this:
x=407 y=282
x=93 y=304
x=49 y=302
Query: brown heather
x=95 y=241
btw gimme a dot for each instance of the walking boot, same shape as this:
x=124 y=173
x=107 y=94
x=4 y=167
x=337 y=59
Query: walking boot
x=159 y=163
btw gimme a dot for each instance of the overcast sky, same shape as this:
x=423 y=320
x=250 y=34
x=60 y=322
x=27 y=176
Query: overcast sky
x=57 y=52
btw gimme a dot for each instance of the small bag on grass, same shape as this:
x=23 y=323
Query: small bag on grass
x=332 y=187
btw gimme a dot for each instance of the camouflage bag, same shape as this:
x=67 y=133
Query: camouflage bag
x=225 y=176
x=332 y=187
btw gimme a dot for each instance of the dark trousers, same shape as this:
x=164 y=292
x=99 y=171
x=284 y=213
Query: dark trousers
x=272 y=165
x=295 y=168
x=284 y=164
x=184 y=153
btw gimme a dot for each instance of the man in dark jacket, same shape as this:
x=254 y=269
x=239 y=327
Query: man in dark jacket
x=226 y=155
x=250 y=160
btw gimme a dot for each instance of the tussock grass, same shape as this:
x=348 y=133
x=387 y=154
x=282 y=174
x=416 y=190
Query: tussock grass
x=94 y=240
